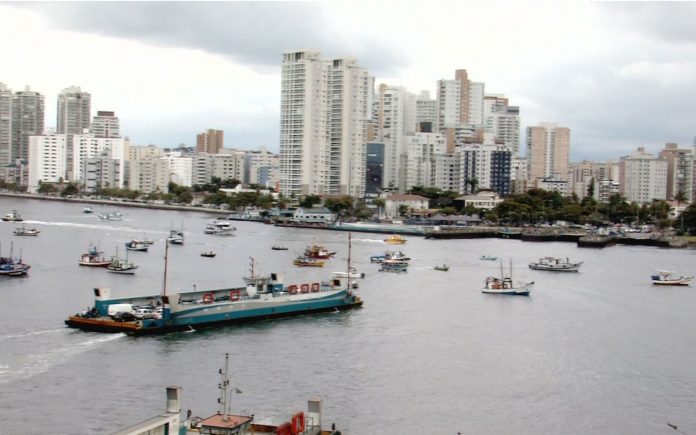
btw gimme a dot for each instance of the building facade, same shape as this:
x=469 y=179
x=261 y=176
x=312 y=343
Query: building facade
x=27 y=120
x=643 y=177
x=5 y=125
x=210 y=141
x=46 y=159
x=548 y=151
x=87 y=146
x=73 y=117
x=106 y=124
x=680 y=171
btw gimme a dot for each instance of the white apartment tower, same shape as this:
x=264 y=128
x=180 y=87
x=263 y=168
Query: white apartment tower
x=87 y=146
x=448 y=104
x=643 y=177
x=397 y=119
x=73 y=117
x=323 y=117
x=46 y=159
x=503 y=121
x=5 y=125
x=420 y=157
x=106 y=124
x=426 y=109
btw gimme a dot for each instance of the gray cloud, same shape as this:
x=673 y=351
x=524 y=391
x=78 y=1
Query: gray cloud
x=669 y=21
x=252 y=33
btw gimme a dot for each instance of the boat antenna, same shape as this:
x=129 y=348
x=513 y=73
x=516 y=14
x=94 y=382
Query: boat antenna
x=510 y=268
x=224 y=399
x=164 y=280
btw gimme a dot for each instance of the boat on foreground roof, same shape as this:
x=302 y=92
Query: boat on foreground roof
x=264 y=297
x=667 y=277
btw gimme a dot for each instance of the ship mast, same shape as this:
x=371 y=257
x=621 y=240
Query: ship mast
x=348 y=271
x=222 y=386
x=164 y=279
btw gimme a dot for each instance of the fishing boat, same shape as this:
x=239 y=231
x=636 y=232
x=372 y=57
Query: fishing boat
x=121 y=265
x=93 y=258
x=13 y=266
x=209 y=254
x=24 y=231
x=318 y=252
x=136 y=245
x=304 y=261
x=667 y=277
x=220 y=227
x=87 y=210
x=264 y=297
x=554 y=264
x=279 y=248
x=111 y=216
x=505 y=286
x=442 y=267
x=14 y=216
x=351 y=274
x=395 y=240
x=392 y=265
x=488 y=258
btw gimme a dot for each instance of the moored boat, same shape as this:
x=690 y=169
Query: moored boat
x=121 y=265
x=279 y=248
x=137 y=245
x=392 y=265
x=209 y=254
x=14 y=216
x=87 y=210
x=265 y=297
x=176 y=237
x=318 y=252
x=442 y=267
x=395 y=240
x=554 y=264
x=352 y=274
x=220 y=227
x=93 y=258
x=505 y=286
x=667 y=277
x=389 y=255
x=24 y=231
x=111 y=216
x=488 y=258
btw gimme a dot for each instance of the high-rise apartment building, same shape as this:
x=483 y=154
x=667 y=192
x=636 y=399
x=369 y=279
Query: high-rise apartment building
x=449 y=104
x=462 y=78
x=27 y=120
x=87 y=146
x=503 y=121
x=73 y=117
x=106 y=124
x=323 y=117
x=261 y=167
x=548 y=151
x=5 y=125
x=680 y=171
x=426 y=109
x=211 y=141
x=397 y=119
x=643 y=177
x=46 y=159
x=419 y=166
x=476 y=97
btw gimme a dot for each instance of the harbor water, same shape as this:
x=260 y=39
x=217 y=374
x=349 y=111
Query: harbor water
x=601 y=351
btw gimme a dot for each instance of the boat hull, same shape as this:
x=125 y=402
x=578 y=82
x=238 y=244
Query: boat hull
x=572 y=268
x=676 y=282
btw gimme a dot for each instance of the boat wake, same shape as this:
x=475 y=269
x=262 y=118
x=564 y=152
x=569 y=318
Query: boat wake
x=31 y=334
x=40 y=359
x=102 y=227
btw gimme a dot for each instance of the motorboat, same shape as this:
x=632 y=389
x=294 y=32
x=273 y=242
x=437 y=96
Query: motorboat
x=488 y=258
x=176 y=237
x=87 y=210
x=14 y=216
x=24 y=231
x=220 y=227
x=442 y=267
x=554 y=264
x=389 y=255
x=209 y=254
x=395 y=240
x=392 y=265
x=352 y=274
x=279 y=248
x=136 y=245
x=504 y=285
x=93 y=258
x=111 y=216
x=668 y=277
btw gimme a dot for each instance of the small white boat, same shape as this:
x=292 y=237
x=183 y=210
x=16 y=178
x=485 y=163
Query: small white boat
x=442 y=267
x=111 y=216
x=24 y=231
x=13 y=217
x=352 y=274
x=393 y=265
x=208 y=254
x=667 y=277
x=87 y=210
x=176 y=237
x=488 y=258
x=505 y=286
x=554 y=264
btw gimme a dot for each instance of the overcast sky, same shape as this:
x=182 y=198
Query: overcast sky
x=619 y=75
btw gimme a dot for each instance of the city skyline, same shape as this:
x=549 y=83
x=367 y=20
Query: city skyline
x=614 y=73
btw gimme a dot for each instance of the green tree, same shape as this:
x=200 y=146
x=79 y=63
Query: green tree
x=310 y=201
x=70 y=190
x=45 y=188
x=342 y=203
x=403 y=210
